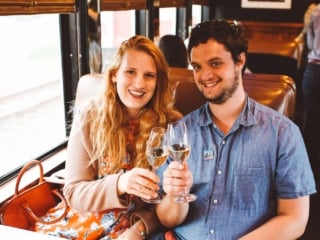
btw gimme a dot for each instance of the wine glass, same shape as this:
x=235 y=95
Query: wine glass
x=156 y=152
x=179 y=149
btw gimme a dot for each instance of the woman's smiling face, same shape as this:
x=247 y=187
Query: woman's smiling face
x=136 y=80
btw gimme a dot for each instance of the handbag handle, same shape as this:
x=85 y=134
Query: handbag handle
x=52 y=221
x=24 y=169
x=41 y=180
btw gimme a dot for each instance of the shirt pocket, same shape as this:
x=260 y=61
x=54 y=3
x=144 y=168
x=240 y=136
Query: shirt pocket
x=250 y=190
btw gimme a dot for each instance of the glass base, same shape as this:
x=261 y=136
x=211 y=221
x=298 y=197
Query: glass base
x=153 y=200
x=185 y=198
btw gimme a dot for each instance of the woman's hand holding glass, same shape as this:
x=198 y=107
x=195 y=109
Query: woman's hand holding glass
x=179 y=149
x=139 y=182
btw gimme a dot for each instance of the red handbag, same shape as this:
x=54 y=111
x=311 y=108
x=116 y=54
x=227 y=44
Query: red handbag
x=28 y=206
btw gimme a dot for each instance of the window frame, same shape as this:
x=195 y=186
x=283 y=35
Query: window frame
x=74 y=54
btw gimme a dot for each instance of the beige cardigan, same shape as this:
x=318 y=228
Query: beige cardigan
x=85 y=193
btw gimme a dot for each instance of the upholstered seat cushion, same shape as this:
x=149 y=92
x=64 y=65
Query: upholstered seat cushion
x=274 y=90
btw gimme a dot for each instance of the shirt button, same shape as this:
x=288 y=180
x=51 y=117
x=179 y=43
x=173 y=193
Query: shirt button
x=211 y=231
x=215 y=201
x=219 y=172
x=223 y=142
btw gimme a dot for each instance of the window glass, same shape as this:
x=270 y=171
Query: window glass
x=167 y=18
x=32 y=119
x=196 y=14
x=116 y=26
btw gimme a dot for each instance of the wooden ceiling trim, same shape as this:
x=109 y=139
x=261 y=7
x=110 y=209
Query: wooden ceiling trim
x=201 y=2
x=116 y=5
x=170 y=3
x=19 y=7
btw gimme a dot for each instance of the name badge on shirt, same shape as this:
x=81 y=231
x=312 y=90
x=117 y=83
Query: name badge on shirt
x=207 y=154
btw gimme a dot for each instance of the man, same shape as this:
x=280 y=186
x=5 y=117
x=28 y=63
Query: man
x=251 y=172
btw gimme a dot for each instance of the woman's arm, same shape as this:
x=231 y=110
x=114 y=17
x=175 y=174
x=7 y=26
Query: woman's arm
x=87 y=193
x=93 y=14
x=82 y=188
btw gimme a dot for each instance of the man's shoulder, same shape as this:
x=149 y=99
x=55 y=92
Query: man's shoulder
x=258 y=108
x=265 y=114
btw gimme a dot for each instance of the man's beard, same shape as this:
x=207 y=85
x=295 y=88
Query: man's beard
x=225 y=93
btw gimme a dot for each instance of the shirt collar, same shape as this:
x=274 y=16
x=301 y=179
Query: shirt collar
x=246 y=117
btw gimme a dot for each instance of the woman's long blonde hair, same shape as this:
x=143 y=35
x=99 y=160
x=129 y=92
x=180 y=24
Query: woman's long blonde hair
x=107 y=117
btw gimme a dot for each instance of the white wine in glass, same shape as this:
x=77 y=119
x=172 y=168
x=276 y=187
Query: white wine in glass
x=179 y=150
x=156 y=152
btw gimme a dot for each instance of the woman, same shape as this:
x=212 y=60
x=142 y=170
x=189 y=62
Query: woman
x=174 y=50
x=106 y=166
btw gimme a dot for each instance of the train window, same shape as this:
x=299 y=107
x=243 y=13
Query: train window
x=32 y=119
x=196 y=14
x=116 y=26
x=167 y=17
x=118 y=22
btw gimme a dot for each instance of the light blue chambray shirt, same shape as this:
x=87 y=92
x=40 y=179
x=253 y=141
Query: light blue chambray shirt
x=239 y=177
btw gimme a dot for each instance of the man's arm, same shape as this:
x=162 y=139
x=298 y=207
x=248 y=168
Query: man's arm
x=290 y=222
x=176 y=178
x=171 y=213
